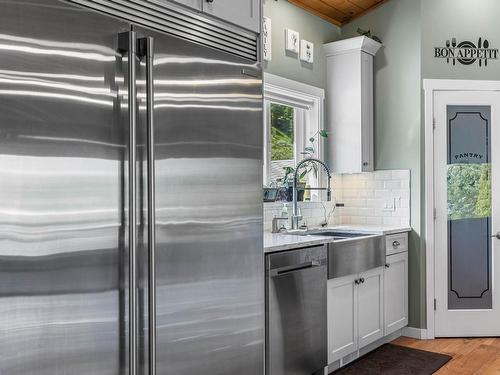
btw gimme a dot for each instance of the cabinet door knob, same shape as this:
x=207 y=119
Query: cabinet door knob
x=362 y=281
x=209 y=1
x=396 y=244
x=387 y=265
x=357 y=281
x=365 y=163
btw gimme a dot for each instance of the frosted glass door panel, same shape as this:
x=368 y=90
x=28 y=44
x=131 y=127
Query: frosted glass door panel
x=469 y=207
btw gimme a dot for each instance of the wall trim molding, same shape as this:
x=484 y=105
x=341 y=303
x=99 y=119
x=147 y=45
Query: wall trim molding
x=294 y=89
x=309 y=100
x=415 y=333
x=431 y=86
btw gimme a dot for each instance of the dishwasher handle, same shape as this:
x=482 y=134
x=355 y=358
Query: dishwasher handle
x=297 y=267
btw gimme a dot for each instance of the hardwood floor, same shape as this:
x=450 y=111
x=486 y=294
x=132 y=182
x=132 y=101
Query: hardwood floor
x=470 y=356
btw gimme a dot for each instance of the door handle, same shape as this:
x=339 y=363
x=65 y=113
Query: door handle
x=127 y=44
x=290 y=269
x=147 y=49
x=497 y=236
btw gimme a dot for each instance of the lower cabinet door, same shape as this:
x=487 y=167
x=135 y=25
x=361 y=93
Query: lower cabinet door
x=396 y=293
x=342 y=317
x=371 y=306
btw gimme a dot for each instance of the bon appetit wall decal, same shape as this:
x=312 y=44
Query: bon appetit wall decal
x=466 y=53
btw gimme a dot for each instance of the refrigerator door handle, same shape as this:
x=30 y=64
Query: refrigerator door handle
x=127 y=44
x=147 y=46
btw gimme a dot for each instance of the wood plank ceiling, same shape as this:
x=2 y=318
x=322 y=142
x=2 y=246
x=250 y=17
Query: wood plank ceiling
x=338 y=12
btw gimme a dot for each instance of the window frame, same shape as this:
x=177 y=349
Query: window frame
x=308 y=102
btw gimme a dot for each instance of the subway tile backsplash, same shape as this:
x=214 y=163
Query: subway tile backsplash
x=376 y=198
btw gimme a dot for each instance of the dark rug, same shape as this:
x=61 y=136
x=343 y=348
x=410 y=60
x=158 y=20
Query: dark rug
x=392 y=359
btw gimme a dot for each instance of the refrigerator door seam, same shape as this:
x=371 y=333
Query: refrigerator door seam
x=127 y=43
x=149 y=52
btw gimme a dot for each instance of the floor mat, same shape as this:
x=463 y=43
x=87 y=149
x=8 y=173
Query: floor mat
x=392 y=359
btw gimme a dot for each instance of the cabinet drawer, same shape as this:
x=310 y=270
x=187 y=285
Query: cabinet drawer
x=396 y=243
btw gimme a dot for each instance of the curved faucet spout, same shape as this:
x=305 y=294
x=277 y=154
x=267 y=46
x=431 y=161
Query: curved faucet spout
x=295 y=215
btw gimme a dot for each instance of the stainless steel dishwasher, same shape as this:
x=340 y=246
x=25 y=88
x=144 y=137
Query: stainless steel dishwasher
x=296 y=320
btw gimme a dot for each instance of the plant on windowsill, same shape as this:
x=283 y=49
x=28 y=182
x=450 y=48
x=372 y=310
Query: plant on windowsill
x=309 y=152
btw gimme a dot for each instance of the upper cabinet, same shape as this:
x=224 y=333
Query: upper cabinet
x=350 y=104
x=244 y=13
x=195 y=4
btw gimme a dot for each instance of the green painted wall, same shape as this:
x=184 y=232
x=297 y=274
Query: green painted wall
x=410 y=29
x=398 y=132
x=314 y=29
x=445 y=19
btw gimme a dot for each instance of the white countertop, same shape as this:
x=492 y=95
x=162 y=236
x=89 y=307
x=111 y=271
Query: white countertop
x=278 y=242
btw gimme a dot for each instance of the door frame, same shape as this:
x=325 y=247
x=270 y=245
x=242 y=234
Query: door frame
x=431 y=86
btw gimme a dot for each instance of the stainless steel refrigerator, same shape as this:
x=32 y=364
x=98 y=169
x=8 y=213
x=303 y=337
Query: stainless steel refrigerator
x=130 y=194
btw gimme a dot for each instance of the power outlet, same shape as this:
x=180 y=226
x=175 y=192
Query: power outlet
x=390 y=204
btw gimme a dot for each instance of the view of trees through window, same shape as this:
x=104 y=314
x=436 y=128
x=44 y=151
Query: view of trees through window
x=469 y=191
x=282 y=141
x=282 y=132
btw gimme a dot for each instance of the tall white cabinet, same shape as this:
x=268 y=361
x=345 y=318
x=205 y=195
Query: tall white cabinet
x=350 y=104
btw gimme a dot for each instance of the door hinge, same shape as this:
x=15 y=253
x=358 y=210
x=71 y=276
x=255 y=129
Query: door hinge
x=434 y=214
x=433 y=123
x=435 y=304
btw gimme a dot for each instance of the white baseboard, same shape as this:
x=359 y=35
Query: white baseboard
x=415 y=333
x=361 y=352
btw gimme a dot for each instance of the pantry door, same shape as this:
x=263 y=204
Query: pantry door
x=467 y=216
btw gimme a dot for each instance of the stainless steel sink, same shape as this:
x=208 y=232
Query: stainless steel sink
x=340 y=235
x=356 y=255
x=350 y=252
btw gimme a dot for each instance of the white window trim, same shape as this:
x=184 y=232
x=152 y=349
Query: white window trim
x=431 y=86
x=310 y=118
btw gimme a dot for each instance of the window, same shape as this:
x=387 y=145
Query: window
x=293 y=114
x=283 y=153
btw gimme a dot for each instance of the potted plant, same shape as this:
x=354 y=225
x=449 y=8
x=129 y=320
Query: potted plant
x=309 y=152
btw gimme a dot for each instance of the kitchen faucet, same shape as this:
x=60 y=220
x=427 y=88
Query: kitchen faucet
x=295 y=209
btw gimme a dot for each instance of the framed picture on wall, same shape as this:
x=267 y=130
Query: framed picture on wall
x=292 y=40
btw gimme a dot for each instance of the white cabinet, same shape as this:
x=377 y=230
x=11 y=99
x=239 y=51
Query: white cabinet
x=350 y=104
x=396 y=243
x=355 y=312
x=195 y=4
x=244 y=13
x=396 y=292
x=342 y=296
x=371 y=306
